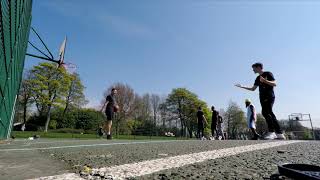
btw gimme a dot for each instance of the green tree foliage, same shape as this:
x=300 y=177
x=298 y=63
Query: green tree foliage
x=183 y=105
x=89 y=119
x=236 y=121
x=75 y=97
x=307 y=134
x=68 y=120
x=49 y=87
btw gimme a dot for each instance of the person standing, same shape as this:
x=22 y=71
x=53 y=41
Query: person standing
x=266 y=83
x=220 y=132
x=214 y=122
x=111 y=107
x=252 y=119
x=201 y=123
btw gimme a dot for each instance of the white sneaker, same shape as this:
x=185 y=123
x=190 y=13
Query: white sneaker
x=203 y=139
x=281 y=137
x=270 y=136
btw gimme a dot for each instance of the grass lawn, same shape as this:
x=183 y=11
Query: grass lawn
x=27 y=134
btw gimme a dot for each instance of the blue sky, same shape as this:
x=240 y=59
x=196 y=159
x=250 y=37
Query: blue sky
x=205 y=46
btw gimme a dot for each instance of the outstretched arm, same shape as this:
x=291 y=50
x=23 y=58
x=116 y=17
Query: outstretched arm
x=253 y=88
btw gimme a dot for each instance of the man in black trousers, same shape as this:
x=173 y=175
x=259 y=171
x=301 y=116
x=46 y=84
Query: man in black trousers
x=266 y=83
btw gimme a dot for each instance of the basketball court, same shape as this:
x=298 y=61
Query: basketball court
x=121 y=159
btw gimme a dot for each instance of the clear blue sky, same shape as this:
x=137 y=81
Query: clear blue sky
x=205 y=46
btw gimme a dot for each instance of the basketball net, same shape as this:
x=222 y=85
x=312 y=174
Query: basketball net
x=69 y=67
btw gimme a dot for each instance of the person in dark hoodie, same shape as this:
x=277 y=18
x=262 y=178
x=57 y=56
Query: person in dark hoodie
x=202 y=121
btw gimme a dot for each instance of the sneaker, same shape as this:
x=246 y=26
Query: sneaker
x=270 y=136
x=109 y=137
x=100 y=132
x=203 y=139
x=281 y=137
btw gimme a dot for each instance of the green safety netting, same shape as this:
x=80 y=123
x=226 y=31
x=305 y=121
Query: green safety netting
x=15 y=20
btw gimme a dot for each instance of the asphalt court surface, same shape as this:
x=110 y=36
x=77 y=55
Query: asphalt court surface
x=51 y=157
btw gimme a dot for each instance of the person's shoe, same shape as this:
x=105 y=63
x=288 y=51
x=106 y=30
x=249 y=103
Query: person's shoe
x=270 y=136
x=109 y=137
x=281 y=136
x=203 y=139
x=100 y=132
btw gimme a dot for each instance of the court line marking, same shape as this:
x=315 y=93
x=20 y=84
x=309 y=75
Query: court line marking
x=32 y=142
x=89 y=145
x=24 y=142
x=152 y=166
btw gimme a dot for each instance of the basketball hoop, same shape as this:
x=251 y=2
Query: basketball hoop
x=69 y=67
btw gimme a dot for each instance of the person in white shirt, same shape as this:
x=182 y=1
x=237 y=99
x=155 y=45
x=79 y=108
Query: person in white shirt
x=252 y=119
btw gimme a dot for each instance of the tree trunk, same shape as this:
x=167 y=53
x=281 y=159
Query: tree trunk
x=65 y=110
x=48 y=119
x=164 y=123
x=228 y=128
x=25 y=113
x=67 y=100
x=182 y=128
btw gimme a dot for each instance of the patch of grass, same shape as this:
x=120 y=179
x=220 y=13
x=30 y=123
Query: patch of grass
x=132 y=137
x=59 y=135
x=27 y=134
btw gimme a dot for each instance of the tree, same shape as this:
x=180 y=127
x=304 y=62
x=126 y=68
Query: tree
x=165 y=115
x=75 y=96
x=88 y=119
x=155 y=102
x=236 y=121
x=68 y=120
x=49 y=86
x=184 y=104
x=142 y=115
x=146 y=107
x=25 y=96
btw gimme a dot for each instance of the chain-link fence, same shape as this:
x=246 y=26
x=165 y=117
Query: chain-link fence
x=15 y=19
